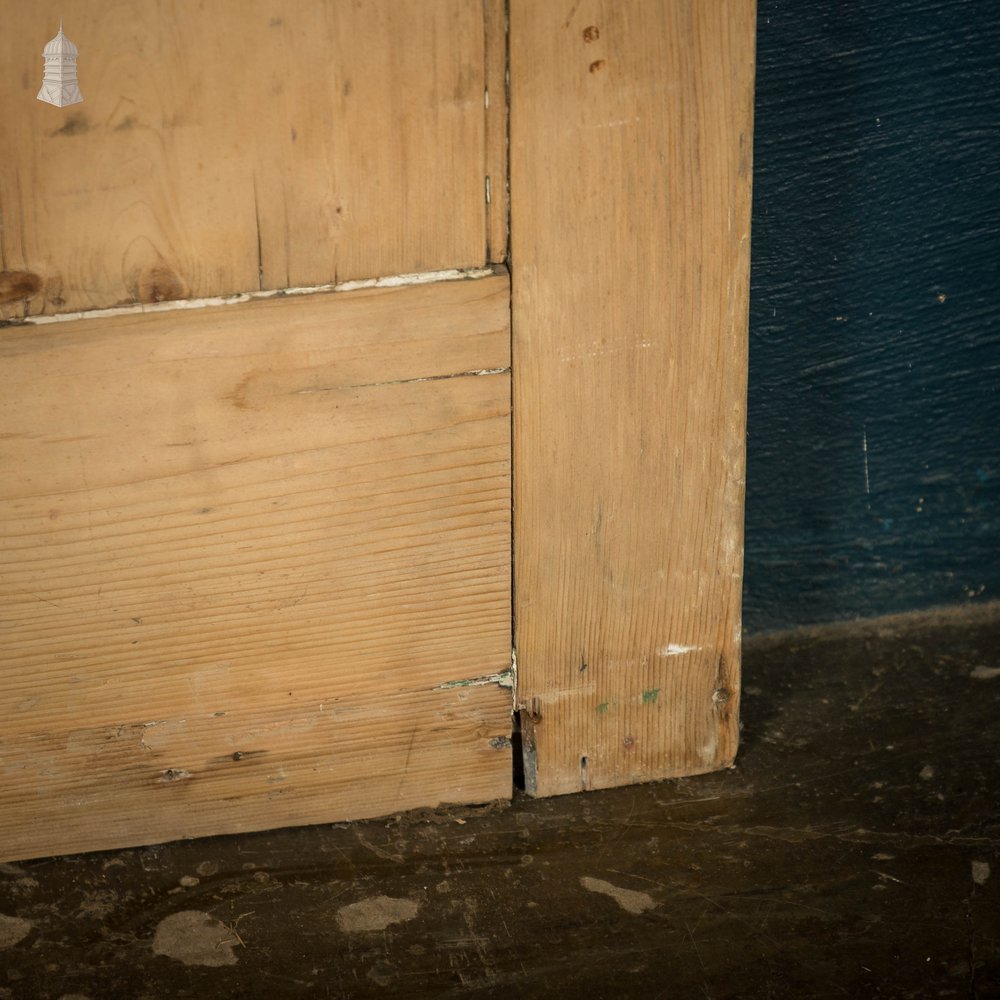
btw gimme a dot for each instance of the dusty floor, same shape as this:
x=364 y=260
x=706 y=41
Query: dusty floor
x=854 y=852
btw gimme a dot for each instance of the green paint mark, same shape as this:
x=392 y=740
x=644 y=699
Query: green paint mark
x=649 y=697
x=603 y=707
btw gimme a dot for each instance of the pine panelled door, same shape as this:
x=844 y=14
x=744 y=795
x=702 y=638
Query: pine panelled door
x=372 y=395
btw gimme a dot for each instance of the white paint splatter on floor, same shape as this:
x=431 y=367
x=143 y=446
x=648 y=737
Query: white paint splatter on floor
x=985 y=673
x=628 y=899
x=195 y=938
x=12 y=930
x=375 y=914
x=980 y=872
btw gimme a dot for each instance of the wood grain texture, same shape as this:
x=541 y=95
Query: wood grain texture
x=497 y=208
x=631 y=130
x=238 y=145
x=245 y=554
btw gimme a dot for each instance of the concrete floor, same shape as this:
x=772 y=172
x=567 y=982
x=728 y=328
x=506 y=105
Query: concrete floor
x=853 y=852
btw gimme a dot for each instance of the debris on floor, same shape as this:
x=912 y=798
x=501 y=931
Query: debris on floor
x=850 y=853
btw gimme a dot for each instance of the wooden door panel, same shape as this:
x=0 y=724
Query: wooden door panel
x=254 y=565
x=255 y=558
x=246 y=144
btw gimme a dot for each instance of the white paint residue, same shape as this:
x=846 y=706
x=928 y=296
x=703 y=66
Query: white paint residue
x=375 y=914
x=676 y=649
x=396 y=280
x=391 y=281
x=195 y=938
x=629 y=900
x=928 y=773
x=12 y=930
x=980 y=872
x=709 y=751
x=985 y=673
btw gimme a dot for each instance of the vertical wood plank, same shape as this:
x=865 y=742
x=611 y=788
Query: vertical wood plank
x=238 y=145
x=631 y=131
x=495 y=17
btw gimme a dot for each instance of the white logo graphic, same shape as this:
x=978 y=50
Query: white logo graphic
x=59 y=87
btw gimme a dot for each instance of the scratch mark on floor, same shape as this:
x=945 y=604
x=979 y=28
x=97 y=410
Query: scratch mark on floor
x=379 y=852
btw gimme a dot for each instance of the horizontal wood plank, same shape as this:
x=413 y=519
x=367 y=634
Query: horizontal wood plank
x=279 y=529
x=336 y=758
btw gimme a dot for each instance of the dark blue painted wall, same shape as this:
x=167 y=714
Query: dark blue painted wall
x=873 y=478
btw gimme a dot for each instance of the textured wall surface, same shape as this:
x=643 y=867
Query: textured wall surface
x=873 y=481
